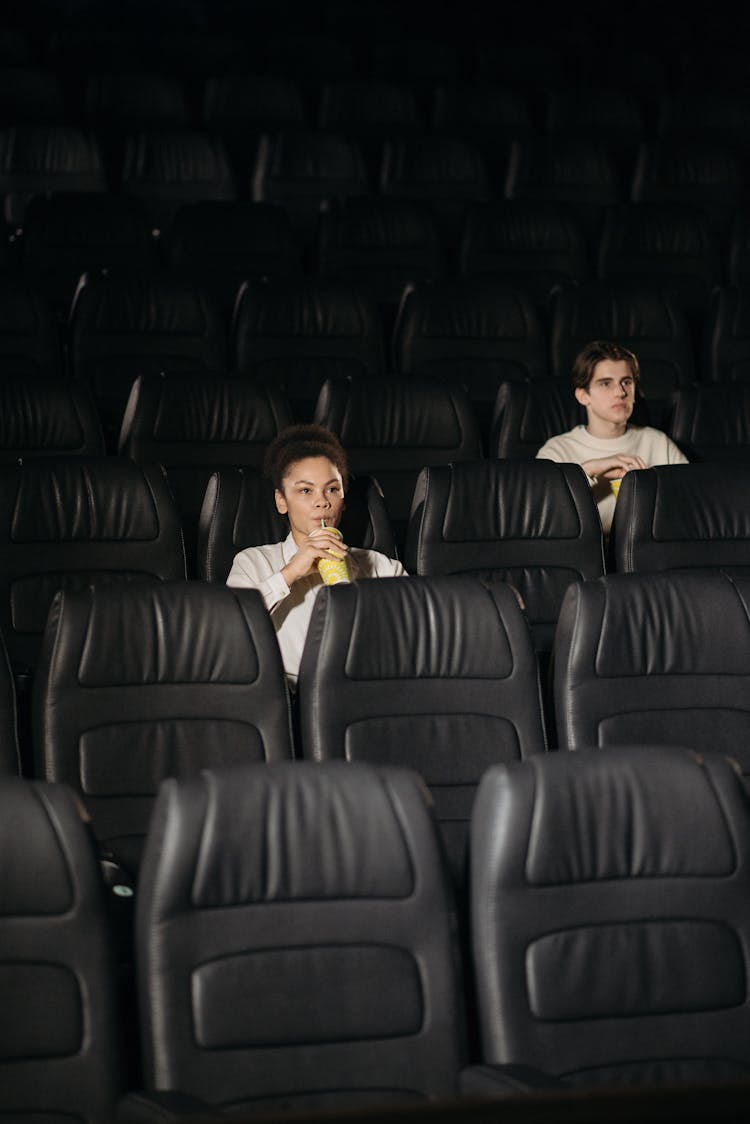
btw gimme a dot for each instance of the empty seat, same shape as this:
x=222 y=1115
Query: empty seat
x=127 y=102
x=30 y=343
x=220 y=245
x=239 y=107
x=192 y=679
x=485 y=115
x=715 y=116
x=394 y=426
x=474 y=332
x=380 y=246
x=192 y=425
x=610 y=118
x=661 y=245
x=168 y=168
x=239 y=511
x=437 y=674
x=297 y=334
x=533 y=524
x=650 y=322
x=574 y=173
x=37 y=159
x=69 y=522
x=711 y=422
x=302 y=169
x=293 y=905
x=694 y=173
x=123 y=326
x=368 y=112
x=660 y=658
x=727 y=335
x=448 y=172
x=45 y=417
x=69 y=233
x=527 y=244
x=680 y=516
x=526 y=414
x=60 y=1056
x=609 y=927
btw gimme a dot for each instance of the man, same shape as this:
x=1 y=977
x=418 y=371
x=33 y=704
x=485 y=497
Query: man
x=605 y=380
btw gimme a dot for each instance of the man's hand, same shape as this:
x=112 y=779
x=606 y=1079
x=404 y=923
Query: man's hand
x=614 y=467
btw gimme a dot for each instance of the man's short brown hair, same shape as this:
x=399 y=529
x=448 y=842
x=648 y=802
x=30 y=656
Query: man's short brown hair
x=295 y=443
x=585 y=362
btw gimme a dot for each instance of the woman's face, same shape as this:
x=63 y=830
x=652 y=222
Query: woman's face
x=311 y=491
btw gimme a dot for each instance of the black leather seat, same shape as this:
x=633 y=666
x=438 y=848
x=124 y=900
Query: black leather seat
x=649 y=321
x=10 y=761
x=368 y=112
x=612 y=118
x=137 y=683
x=239 y=107
x=296 y=941
x=38 y=159
x=30 y=343
x=611 y=905
x=47 y=417
x=67 y=523
x=298 y=333
x=393 y=426
x=531 y=523
x=660 y=658
x=474 y=332
x=526 y=414
x=124 y=325
x=437 y=674
x=726 y=338
x=239 y=511
x=683 y=516
x=60 y=1056
x=698 y=173
x=711 y=422
x=195 y=424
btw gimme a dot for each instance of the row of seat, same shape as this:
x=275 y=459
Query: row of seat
x=296 y=941
x=135 y=680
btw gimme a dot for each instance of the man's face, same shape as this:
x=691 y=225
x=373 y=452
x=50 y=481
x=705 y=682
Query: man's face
x=312 y=490
x=610 y=396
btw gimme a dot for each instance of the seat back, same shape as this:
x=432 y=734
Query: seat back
x=39 y=159
x=727 y=335
x=610 y=927
x=711 y=422
x=29 y=333
x=239 y=510
x=526 y=414
x=69 y=522
x=437 y=674
x=137 y=683
x=393 y=426
x=60 y=1053
x=290 y=908
x=642 y=658
x=297 y=334
x=195 y=424
x=47 y=417
x=683 y=516
x=533 y=524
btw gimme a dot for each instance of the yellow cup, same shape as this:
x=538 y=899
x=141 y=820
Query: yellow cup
x=615 y=486
x=333 y=570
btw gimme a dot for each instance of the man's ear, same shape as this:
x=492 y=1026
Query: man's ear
x=281 y=504
x=582 y=396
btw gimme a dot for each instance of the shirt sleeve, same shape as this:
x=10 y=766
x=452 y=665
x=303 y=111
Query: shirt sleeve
x=250 y=570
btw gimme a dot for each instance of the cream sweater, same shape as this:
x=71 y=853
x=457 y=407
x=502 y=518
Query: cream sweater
x=577 y=446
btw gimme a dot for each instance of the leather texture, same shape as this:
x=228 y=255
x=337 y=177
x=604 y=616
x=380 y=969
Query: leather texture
x=29 y=333
x=526 y=414
x=60 y=1055
x=136 y=683
x=10 y=763
x=610 y=914
x=641 y=658
x=711 y=422
x=727 y=332
x=437 y=674
x=683 y=516
x=123 y=325
x=474 y=332
x=328 y=878
x=193 y=424
x=299 y=333
x=47 y=417
x=68 y=522
x=530 y=523
x=239 y=511
x=39 y=159
x=392 y=427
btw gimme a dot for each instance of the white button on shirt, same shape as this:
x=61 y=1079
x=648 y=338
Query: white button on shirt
x=259 y=567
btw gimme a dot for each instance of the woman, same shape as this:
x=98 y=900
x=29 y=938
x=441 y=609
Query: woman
x=308 y=468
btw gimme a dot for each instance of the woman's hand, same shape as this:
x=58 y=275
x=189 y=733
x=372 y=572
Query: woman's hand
x=614 y=467
x=322 y=542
